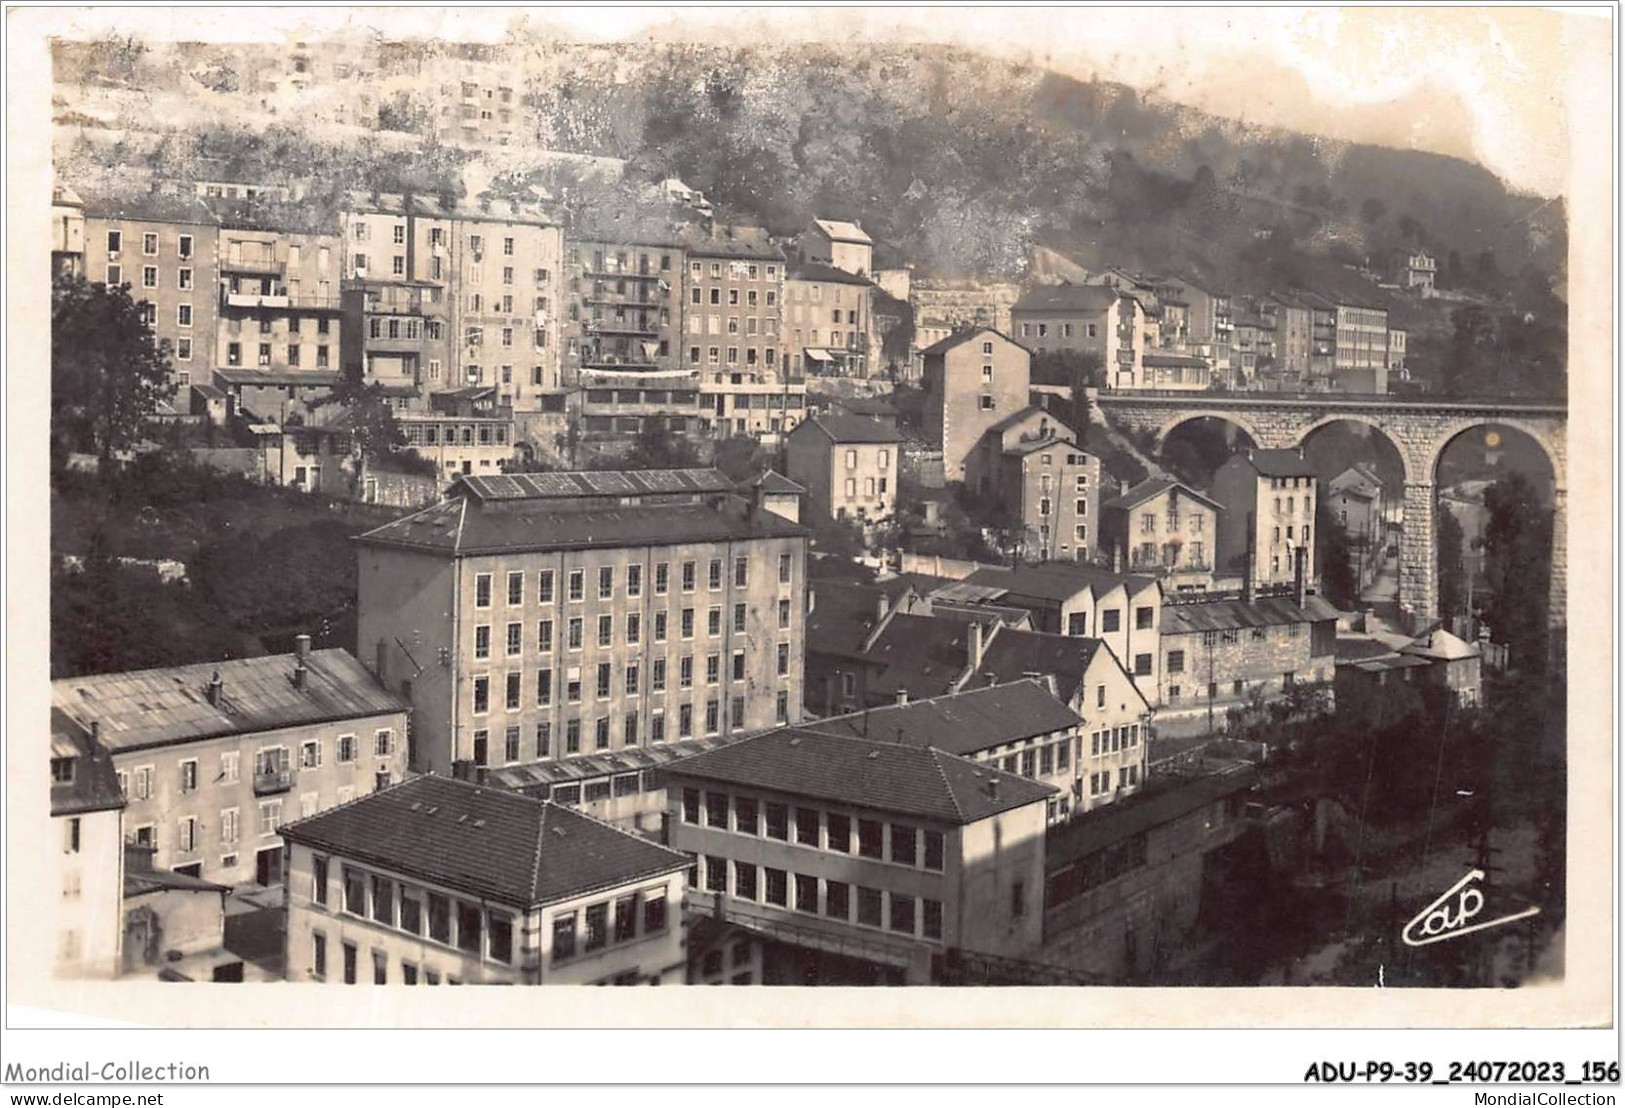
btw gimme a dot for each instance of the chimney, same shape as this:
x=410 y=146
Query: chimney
x=96 y=724
x=1300 y=567
x=976 y=644
x=1247 y=566
x=301 y=673
x=301 y=647
x=902 y=697
x=216 y=688
x=993 y=788
x=881 y=606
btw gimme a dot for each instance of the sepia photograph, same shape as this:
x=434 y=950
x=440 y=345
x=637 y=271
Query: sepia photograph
x=570 y=497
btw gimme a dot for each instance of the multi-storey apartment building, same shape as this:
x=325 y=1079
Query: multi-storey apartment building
x=847 y=464
x=1083 y=601
x=67 y=233
x=828 y=327
x=1288 y=317
x=166 y=249
x=731 y=319
x=1107 y=761
x=480 y=281
x=1096 y=319
x=279 y=298
x=1209 y=326
x=213 y=758
x=859 y=860
x=539 y=616
x=840 y=243
x=478 y=109
x=395 y=336
x=87 y=819
x=1268 y=497
x=1223 y=652
x=1361 y=360
x=440 y=881
x=1031 y=465
x=973 y=379
x=623 y=335
x=1162 y=527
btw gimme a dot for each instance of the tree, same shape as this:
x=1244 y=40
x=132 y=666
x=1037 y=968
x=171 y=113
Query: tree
x=1452 y=575
x=107 y=372
x=1334 y=556
x=658 y=448
x=1472 y=343
x=1373 y=210
x=741 y=457
x=1518 y=568
x=838 y=538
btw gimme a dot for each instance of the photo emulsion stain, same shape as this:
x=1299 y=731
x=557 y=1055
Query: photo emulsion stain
x=693 y=513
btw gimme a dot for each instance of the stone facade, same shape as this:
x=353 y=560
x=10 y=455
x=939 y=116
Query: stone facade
x=1419 y=430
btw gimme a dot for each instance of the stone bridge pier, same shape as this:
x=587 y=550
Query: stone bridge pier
x=1418 y=431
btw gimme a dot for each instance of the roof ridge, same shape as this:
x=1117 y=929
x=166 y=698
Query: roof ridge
x=953 y=797
x=536 y=862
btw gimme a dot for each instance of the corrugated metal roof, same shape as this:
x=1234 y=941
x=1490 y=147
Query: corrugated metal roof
x=155 y=707
x=488 y=842
x=1058 y=580
x=273 y=378
x=592 y=483
x=462 y=527
x=535 y=778
x=1230 y=615
x=1101 y=827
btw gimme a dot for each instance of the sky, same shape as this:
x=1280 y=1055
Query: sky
x=1491 y=85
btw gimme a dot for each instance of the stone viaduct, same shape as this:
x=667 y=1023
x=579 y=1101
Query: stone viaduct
x=1418 y=430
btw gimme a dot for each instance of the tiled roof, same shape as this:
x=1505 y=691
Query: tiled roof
x=155 y=707
x=94 y=787
x=484 y=841
x=841 y=230
x=1443 y=646
x=459 y=527
x=842 y=617
x=867 y=405
x=851 y=428
x=1058 y=580
x=865 y=773
x=1155 y=486
x=942 y=346
x=1230 y=615
x=1014 y=654
x=592 y=483
x=1066 y=298
x=772 y=481
x=824 y=274
x=922 y=655
x=278 y=378
x=1280 y=463
x=155 y=207
x=732 y=242
x=960 y=723
x=1153 y=807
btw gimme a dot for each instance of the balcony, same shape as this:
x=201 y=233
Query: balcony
x=264 y=267
x=619 y=327
x=279 y=301
x=620 y=299
x=270 y=782
x=592 y=360
x=600 y=271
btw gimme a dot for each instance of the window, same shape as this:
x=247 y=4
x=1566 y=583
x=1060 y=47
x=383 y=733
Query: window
x=544 y=636
x=933 y=850
x=716 y=810
x=544 y=586
x=516 y=637
x=186 y=834
x=1142 y=665
x=564 y=937
x=688 y=576
x=1142 y=619
x=270 y=816
x=573 y=633
x=349 y=963
x=482 y=590
x=346 y=750
x=784 y=569
x=654 y=912
x=1018 y=899
x=1109 y=620
x=777 y=882
x=904 y=843
x=871 y=838
x=229 y=831
x=662 y=578
x=606 y=630
x=778 y=821
x=482 y=695
x=183 y=278
x=578 y=584
x=902 y=913
x=716 y=874
x=1176 y=661
x=318 y=956
x=740 y=614
x=745 y=880
x=931 y=918
x=806 y=893
x=868 y=906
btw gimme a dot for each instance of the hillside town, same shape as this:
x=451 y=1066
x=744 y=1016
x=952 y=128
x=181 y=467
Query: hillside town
x=624 y=592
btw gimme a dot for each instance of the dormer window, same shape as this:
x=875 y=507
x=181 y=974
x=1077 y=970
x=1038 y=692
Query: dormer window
x=62 y=770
